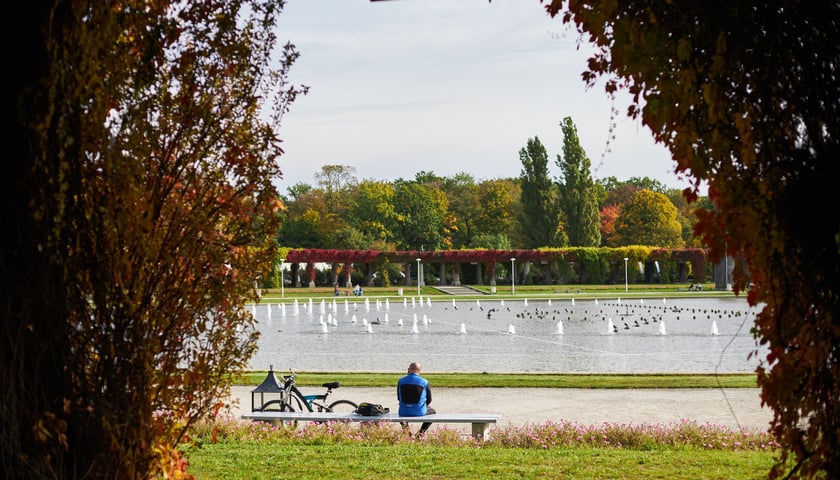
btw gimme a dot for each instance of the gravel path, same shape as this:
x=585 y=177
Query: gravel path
x=734 y=408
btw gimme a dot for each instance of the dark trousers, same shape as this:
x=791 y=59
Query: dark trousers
x=425 y=425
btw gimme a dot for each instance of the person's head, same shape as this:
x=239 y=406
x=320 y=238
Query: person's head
x=414 y=367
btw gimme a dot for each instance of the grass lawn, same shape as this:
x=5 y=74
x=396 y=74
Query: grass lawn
x=307 y=460
x=529 y=380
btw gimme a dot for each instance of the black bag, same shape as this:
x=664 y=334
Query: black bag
x=366 y=409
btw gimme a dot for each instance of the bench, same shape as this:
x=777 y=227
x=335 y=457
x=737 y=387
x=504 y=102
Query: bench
x=480 y=422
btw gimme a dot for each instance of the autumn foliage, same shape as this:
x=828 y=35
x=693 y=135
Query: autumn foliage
x=140 y=206
x=744 y=94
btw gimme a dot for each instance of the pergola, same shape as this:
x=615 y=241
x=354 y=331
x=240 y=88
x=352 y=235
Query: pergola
x=488 y=259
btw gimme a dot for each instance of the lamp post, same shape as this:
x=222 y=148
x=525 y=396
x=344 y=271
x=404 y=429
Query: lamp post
x=418 y=277
x=625 y=274
x=282 y=280
x=512 y=275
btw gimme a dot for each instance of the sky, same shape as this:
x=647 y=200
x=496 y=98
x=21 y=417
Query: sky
x=448 y=87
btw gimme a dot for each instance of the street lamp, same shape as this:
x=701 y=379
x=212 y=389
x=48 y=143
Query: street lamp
x=512 y=275
x=625 y=274
x=282 y=280
x=418 y=277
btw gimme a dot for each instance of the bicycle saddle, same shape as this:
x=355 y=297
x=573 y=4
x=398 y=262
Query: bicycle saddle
x=331 y=385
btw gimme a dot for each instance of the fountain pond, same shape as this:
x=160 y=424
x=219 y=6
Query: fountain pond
x=679 y=335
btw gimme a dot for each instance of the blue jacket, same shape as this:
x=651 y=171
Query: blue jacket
x=414 y=394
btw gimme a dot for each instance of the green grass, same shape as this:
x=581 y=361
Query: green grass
x=302 y=461
x=522 y=380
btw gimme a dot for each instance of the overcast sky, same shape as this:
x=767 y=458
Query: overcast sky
x=447 y=86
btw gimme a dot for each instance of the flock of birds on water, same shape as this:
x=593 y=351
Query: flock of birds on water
x=630 y=314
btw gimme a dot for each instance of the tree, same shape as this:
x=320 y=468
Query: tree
x=298 y=190
x=308 y=221
x=335 y=180
x=349 y=238
x=449 y=221
x=577 y=194
x=686 y=216
x=493 y=241
x=496 y=199
x=372 y=211
x=428 y=178
x=649 y=219
x=609 y=215
x=744 y=94
x=140 y=190
x=420 y=217
x=539 y=214
x=462 y=196
x=306 y=230
x=620 y=191
x=617 y=193
x=647 y=183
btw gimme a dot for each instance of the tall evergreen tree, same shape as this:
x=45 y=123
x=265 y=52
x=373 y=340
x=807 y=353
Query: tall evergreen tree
x=539 y=214
x=576 y=189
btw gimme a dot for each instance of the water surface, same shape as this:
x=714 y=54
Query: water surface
x=704 y=335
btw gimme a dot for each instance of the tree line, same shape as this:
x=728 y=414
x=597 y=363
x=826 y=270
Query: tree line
x=535 y=210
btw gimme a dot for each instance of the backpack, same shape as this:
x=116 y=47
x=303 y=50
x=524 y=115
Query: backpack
x=366 y=409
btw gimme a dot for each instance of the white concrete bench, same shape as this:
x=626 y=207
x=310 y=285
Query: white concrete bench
x=480 y=421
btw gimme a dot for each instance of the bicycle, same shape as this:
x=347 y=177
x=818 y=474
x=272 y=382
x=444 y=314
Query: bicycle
x=293 y=400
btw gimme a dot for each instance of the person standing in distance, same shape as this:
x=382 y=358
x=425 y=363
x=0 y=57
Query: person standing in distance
x=415 y=395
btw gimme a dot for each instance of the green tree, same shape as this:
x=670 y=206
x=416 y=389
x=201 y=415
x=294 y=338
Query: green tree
x=744 y=94
x=428 y=178
x=647 y=183
x=649 y=219
x=578 y=197
x=306 y=230
x=497 y=213
x=298 y=190
x=686 y=216
x=462 y=195
x=309 y=223
x=372 y=211
x=140 y=207
x=435 y=185
x=335 y=181
x=420 y=218
x=494 y=241
x=539 y=216
x=348 y=238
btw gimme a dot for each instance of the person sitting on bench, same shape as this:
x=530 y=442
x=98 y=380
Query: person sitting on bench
x=415 y=395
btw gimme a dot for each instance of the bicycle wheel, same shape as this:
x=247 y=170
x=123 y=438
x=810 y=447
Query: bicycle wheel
x=342 y=406
x=294 y=403
x=275 y=406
